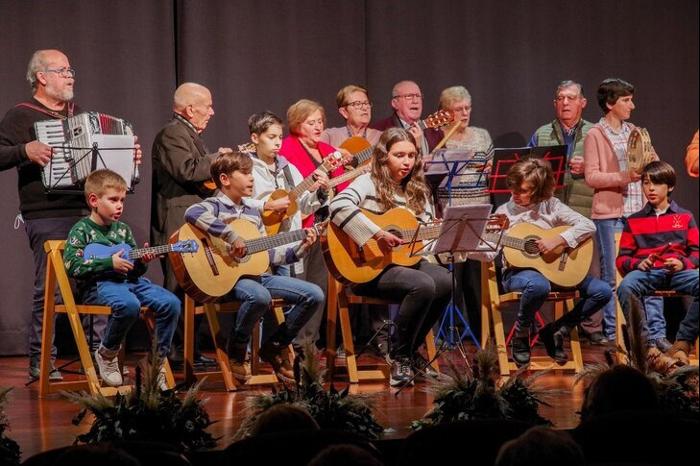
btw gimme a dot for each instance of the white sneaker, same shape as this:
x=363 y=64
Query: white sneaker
x=162 y=382
x=109 y=370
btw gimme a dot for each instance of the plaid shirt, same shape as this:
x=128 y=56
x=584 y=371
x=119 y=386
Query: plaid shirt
x=633 y=195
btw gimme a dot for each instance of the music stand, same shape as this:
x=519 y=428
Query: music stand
x=504 y=158
x=461 y=230
x=107 y=151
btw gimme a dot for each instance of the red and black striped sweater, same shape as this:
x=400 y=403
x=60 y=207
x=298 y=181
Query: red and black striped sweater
x=671 y=234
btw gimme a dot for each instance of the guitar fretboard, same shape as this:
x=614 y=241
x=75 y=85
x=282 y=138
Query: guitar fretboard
x=304 y=186
x=270 y=242
x=507 y=241
x=157 y=250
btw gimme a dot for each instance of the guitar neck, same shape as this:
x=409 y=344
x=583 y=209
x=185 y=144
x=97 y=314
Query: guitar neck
x=352 y=174
x=271 y=242
x=506 y=241
x=304 y=186
x=425 y=232
x=156 y=250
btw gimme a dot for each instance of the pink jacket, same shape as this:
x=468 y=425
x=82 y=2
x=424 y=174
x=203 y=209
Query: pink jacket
x=602 y=172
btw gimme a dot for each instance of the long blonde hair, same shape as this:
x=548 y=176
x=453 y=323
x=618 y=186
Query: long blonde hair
x=414 y=185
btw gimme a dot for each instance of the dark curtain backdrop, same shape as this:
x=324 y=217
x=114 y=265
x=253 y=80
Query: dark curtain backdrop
x=257 y=55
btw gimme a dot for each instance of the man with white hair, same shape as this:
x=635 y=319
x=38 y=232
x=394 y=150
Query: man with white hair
x=46 y=216
x=181 y=166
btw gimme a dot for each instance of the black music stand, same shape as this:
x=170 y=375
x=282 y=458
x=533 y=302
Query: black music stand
x=103 y=143
x=462 y=230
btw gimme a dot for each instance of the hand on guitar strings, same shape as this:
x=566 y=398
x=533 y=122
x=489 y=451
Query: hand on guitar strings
x=311 y=237
x=547 y=245
x=120 y=264
x=278 y=205
x=320 y=181
x=146 y=258
x=238 y=249
x=386 y=241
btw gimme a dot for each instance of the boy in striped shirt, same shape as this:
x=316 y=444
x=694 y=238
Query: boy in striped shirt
x=659 y=246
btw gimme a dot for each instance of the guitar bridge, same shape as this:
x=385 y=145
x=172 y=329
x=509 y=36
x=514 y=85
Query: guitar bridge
x=563 y=260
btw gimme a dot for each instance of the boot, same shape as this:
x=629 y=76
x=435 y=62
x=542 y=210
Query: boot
x=659 y=362
x=277 y=355
x=239 y=363
x=680 y=350
x=553 y=338
x=520 y=347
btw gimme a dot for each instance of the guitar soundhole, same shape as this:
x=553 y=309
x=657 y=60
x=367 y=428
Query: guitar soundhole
x=531 y=248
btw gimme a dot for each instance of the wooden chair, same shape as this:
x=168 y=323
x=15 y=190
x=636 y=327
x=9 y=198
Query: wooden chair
x=621 y=354
x=56 y=276
x=493 y=303
x=339 y=299
x=211 y=310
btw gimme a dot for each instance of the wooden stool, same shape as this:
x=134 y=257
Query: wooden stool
x=493 y=303
x=339 y=299
x=56 y=276
x=211 y=310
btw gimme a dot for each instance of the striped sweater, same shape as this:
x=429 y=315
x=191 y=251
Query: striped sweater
x=361 y=194
x=214 y=214
x=672 y=234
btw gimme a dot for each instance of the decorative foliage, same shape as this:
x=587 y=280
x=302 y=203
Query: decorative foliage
x=146 y=413
x=476 y=394
x=331 y=409
x=676 y=386
x=9 y=450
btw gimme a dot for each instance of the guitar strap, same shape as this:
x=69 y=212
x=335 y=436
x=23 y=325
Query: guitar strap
x=287 y=170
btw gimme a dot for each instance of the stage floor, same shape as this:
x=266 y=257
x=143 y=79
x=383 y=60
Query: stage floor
x=41 y=424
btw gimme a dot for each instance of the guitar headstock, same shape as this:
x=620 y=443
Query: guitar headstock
x=246 y=148
x=332 y=161
x=497 y=223
x=438 y=119
x=185 y=246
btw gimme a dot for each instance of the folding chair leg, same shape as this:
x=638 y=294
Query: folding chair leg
x=499 y=335
x=47 y=330
x=332 y=326
x=230 y=382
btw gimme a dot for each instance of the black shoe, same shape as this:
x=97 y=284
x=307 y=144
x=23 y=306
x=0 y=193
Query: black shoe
x=595 y=338
x=663 y=344
x=554 y=343
x=422 y=369
x=520 y=348
x=401 y=372
x=203 y=361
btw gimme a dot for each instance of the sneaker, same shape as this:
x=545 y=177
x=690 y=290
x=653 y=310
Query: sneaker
x=108 y=369
x=162 y=381
x=554 y=343
x=401 y=372
x=662 y=344
x=278 y=357
x=421 y=367
x=240 y=370
x=595 y=338
x=54 y=375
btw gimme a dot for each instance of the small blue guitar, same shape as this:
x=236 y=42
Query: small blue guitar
x=100 y=251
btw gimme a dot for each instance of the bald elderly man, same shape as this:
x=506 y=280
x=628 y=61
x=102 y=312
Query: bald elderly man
x=181 y=164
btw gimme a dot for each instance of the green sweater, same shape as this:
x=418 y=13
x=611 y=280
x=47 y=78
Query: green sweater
x=85 y=232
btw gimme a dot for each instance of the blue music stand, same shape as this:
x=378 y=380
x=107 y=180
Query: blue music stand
x=440 y=173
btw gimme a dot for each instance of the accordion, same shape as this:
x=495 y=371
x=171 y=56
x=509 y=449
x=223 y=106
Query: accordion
x=84 y=143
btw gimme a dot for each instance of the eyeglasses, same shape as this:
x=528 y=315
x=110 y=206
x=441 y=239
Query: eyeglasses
x=464 y=108
x=563 y=98
x=359 y=104
x=409 y=96
x=62 y=72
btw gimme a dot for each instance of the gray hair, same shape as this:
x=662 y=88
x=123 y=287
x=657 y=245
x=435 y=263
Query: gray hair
x=36 y=63
x=187 y=93
x=568 y=83
x=454 y=94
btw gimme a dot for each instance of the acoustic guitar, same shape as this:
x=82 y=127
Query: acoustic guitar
x=211 y=272
x=564 y=266
x=351 y=263
x=362 y=150
x=100 y=251
x=273 y=219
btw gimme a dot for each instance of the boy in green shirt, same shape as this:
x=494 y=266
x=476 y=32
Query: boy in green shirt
x=115 y=280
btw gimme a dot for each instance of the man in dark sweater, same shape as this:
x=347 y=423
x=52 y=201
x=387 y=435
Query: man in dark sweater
x=46 y=216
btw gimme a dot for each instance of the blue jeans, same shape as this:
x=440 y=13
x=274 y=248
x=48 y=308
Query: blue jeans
x=638 y=284
x=607 y=251
x=255 y=297
x=126 y=299
x=535 y=287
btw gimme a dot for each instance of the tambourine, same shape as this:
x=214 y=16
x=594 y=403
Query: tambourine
x=639 y=150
